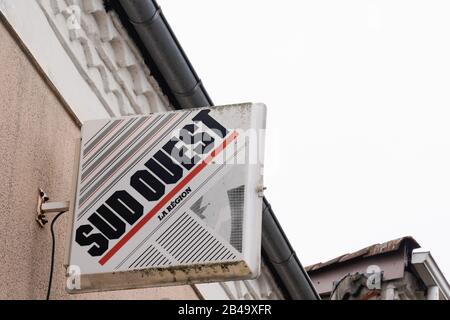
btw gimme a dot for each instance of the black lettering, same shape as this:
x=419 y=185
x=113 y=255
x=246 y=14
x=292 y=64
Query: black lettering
x=147 y=185
x=112 y=228
x=150 y=184
x=99 y=242
x=206 y=145
x=167 y=170
x=126 y=206
x=180 y=154
x=204 y=117
x=202 y=141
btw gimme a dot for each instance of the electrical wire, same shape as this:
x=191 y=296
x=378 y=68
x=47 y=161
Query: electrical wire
x=335 y=287
x=49 y=289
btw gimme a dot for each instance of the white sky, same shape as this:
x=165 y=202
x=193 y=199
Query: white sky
x=358 y=96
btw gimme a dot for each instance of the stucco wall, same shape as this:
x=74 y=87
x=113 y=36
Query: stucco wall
x=37 y=150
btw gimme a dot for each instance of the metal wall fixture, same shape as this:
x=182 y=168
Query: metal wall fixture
x=44 y=207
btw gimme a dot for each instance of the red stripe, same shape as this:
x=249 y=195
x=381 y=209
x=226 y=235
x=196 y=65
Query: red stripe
x=166 y=199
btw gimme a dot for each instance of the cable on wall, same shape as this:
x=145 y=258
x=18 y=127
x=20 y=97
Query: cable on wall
x=52 y=262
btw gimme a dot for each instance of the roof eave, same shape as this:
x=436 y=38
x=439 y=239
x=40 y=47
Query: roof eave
x=430 y=273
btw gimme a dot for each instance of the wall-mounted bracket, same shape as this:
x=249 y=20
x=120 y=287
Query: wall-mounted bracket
x=260 y=190
x=44 y=207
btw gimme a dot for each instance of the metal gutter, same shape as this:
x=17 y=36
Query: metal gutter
x=166 y=53
x=282 y=259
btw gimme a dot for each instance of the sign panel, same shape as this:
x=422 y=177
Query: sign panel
x=168 y=199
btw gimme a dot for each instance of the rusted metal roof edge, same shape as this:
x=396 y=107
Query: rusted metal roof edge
x=374 y=250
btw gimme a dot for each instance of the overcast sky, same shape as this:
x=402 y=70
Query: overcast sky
x=358 y=96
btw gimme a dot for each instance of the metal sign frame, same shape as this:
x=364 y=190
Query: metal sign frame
x=243 y=259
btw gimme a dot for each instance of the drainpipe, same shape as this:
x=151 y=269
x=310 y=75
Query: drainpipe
x=188 y=91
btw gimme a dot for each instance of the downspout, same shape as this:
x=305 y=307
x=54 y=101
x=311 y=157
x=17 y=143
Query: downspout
x=174 y=66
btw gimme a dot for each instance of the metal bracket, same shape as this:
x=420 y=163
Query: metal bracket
x=260 y=190
x=44 y=207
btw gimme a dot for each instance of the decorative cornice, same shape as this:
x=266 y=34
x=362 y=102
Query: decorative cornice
x=105 y=56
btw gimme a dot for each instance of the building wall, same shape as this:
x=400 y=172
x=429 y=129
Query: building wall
x=37 y=149
x=96 y=79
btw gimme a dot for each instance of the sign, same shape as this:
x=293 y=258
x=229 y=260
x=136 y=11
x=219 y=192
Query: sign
x=169 y=198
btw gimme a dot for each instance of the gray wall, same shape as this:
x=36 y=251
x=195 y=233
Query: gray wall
x=37 y=150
